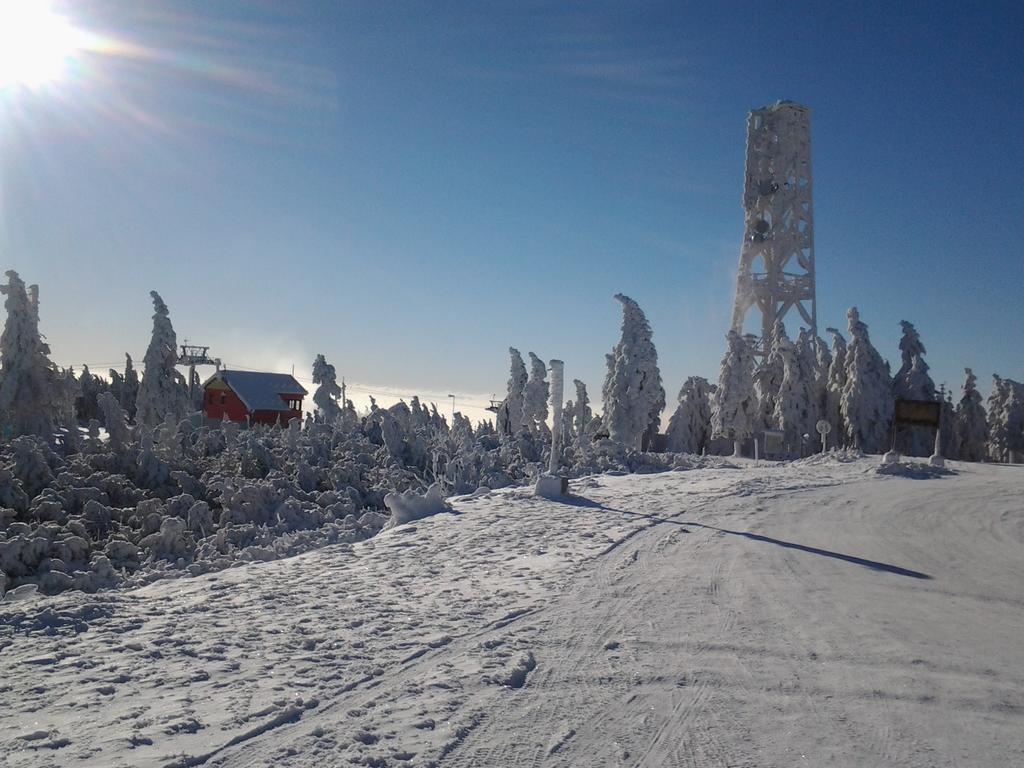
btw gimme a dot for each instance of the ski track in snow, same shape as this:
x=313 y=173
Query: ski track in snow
x=770 y=615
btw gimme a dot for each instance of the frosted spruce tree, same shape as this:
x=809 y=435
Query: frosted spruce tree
x=791 y=404
x=814 y=359
x=130 y=389
x=161 y=391
x=69 y=398
x=733 y=405
x=115 y=421
x=535 y=400
x=89 y=389
x=768 y=378
x=948 y=446
x=971 y=423
x=510 y=416
x=325 y=399
x=1005 y=419
x=582 y=414
x=633 y=395
x=866 y=404
x=116 y=386
x=834 y=386
x=32 y=396
x=912 y=382
x=689 y=428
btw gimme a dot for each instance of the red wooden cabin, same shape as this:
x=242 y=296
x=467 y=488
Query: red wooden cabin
x=259 y=398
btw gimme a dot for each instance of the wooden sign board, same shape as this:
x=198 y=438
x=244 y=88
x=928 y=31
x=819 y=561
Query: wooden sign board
x=924 y=412
x=773 y=442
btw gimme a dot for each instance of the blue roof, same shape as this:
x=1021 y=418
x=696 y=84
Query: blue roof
x=260 y=391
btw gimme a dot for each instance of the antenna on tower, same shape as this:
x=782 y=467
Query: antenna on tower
x=776 y=270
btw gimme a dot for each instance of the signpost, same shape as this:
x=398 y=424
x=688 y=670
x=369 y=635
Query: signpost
x=823 y=428
x=915 y=413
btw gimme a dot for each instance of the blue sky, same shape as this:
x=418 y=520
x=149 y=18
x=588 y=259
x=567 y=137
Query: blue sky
x=409 y=188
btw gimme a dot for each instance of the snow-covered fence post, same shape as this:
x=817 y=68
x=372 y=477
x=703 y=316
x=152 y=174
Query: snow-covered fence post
x=556 y=368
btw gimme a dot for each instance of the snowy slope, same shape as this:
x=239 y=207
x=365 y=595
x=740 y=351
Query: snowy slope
x=809 y=614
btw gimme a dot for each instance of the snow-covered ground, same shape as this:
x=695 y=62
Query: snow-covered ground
x=815 y=613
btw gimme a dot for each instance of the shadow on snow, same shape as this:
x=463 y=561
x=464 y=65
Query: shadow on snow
x=875 y=565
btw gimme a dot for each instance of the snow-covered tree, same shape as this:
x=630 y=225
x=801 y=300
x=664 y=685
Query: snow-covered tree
x=325 y=399
x=791 y=404
x=834 y=386
x=116 y=385
x=971 y=423
x=31 y=393
x=582 y=415
x=912 y=382
x=633 y=395
x=114 y=419
x=69 y=390
x=768 y=378
x=948 y=444
x=813 y=359
x=535 y=399
x=866 y=404
x=1005 y=419
x=161 y=391
x=89 y=389
x=733 y=404
x=689 y=428
x=510 y=415
x=130 y=390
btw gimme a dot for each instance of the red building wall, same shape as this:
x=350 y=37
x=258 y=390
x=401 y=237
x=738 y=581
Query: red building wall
x=217 y=402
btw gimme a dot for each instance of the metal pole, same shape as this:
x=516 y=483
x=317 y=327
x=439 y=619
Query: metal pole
x=557 y=368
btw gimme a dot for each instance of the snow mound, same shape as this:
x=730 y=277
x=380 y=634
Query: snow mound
x=833 y=457
x=410 y=505
x=915 y=470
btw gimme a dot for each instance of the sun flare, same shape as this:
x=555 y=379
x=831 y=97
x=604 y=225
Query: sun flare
x=36 y=44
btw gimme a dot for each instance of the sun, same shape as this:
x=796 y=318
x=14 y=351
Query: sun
x=36 y=44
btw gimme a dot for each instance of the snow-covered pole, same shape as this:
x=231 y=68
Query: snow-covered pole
x=556 y=369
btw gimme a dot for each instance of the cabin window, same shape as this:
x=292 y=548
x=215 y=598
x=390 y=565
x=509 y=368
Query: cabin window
x=223 y=398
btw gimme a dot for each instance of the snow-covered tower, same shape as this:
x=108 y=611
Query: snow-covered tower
x=776 y=271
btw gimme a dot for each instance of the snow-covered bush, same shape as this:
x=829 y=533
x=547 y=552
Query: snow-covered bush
x=410 y=505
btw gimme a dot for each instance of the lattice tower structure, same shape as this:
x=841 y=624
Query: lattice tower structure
x=776 y=270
